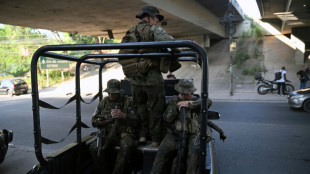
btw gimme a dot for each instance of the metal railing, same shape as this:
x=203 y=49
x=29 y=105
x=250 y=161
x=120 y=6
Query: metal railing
x=48 y=52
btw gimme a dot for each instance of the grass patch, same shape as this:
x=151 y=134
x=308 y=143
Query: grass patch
x=54 y=78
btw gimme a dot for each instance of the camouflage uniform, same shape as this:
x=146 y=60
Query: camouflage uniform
x=147 y=89
x=168 y=148
x=117 y=132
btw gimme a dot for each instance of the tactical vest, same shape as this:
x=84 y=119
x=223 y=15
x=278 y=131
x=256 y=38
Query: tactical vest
x=192 y=121
x=108 y=105
x=120 y=125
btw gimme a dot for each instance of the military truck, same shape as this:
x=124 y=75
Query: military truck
x=75 y=157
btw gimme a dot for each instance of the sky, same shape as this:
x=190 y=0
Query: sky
x=250 y=8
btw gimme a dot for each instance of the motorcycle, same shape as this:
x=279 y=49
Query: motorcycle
x=271 y=86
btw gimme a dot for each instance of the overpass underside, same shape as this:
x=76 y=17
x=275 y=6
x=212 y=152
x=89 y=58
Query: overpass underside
x=104 y=18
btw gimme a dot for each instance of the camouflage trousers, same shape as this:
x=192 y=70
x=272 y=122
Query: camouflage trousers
x=112 y=162
x=165 y=160
x=153 y=98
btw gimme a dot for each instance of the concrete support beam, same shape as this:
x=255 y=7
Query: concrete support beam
x=192 y=12
x=238 y=8
x=299 y=51
x=243 y=26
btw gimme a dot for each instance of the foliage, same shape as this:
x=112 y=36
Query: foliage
x=257 y=53
x=253 y=70
x=6 y=76
x=249 y=46
x=54 y=77
x=240 y=57
x=82 y=39
x=18 y=44
x=17 y=47
x=256 y=31
x=112 y=41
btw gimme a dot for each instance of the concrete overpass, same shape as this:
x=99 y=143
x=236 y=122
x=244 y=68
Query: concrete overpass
x=290 y=17
x=198 y=20
x=183 y=18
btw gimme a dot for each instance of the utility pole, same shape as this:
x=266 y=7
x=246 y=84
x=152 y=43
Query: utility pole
x=59 y=39
x=230 y=29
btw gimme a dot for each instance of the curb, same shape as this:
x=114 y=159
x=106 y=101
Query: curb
x=246 y=97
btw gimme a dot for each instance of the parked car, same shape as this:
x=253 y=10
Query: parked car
x=300 y=99
x=13 y=86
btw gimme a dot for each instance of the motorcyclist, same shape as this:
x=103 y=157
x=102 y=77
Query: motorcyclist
x=5 y=137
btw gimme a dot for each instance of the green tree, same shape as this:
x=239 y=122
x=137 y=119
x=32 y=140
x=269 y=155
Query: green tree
x=82 y=39
x=17 y=47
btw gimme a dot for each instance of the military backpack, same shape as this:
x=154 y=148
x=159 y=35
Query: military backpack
x=136 y=66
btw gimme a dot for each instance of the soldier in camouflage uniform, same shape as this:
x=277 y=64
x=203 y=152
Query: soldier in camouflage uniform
x=5 y=138
x=147 y=87
x=168 y=148
x=117 y=118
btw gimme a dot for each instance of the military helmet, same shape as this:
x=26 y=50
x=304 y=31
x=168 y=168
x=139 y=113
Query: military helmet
x=185 y=86
x=113 y=86
x=151 y=11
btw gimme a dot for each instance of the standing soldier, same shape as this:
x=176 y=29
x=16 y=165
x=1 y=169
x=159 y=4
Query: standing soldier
x=169 y=148
x=116 y=117
x=145 y=73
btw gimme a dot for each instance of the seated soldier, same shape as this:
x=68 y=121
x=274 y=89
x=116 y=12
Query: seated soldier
x=168 y=149
x=171 y=76
x=116 y=117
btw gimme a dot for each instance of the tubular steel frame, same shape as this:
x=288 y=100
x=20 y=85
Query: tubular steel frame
x=46 y=51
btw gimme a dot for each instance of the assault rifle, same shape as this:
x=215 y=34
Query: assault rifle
x=182 y=145
x=99 y=137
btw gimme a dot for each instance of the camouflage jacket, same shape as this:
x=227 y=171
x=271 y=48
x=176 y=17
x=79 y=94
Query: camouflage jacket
x=192 y=125
x=149 y=32
x=124 y=125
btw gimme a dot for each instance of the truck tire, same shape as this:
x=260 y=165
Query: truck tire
x=262 y=89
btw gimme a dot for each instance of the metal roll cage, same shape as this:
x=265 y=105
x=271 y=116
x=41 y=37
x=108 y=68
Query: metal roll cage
x=46 y=51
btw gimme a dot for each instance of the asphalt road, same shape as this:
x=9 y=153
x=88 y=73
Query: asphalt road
x=16 y=115
x=262 y=138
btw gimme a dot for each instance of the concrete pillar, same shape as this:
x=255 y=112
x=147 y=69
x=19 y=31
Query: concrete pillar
x=243 y=26
x=206 y=41
x=299 y=51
